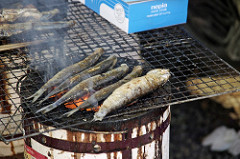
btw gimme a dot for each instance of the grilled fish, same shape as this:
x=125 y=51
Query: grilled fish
x=7 y=30
x=26 y=14
x=69 y=83
x=87 y=86
x=132 y=90
x=67 y=72
x=105 y=92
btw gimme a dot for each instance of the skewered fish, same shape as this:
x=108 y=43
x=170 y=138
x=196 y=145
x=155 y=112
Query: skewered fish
x=105 y=92
x=26 y=14
x=67 y=72
x=7 y=30
x=132 y=90
x=87 y=86
x=69 y=83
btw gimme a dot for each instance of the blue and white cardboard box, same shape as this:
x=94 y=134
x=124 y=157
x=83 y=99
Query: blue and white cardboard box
x=140 y=15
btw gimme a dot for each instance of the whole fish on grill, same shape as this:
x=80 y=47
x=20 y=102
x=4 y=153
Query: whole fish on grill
x=67 y=72
x=72 y=81
x=25 y=14
x=132 y=90
x=87 y=86
x=7 y=30
x=105 y=92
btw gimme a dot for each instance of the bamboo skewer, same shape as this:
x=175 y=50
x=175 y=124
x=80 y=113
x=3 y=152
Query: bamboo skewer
x=19 y=45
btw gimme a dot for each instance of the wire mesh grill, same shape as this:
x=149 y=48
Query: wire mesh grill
x=196 y=72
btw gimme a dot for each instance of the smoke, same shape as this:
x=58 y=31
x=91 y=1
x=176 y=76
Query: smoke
x=44 y=20
x=52 y=54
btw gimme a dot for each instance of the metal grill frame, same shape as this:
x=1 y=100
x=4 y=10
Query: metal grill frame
x=171 y=47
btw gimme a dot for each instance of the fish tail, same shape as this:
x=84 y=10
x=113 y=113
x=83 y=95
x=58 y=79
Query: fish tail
x=113 y=63
x=52 y=106
x=89 y=102
x=68 y=114
x=84 y=105
x=49 y=14
x=51 y=94
x=49 y=108
x=60 y=88
x=45 y=98
x=44 y=108
x=36 y=95
x=31 y=96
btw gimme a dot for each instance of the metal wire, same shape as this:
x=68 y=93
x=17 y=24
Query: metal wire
x=171 y=47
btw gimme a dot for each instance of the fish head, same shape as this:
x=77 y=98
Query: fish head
x=159 y=75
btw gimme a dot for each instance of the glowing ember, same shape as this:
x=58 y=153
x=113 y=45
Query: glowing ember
x=59 y=95
x=77 y=102
x=74 y=104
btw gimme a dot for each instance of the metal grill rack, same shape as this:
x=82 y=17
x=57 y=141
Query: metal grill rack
x=170 y=47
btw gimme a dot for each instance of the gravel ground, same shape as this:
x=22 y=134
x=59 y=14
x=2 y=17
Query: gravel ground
x=191 y=122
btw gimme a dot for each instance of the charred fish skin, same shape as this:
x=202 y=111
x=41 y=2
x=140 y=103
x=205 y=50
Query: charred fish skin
x=69 y=83
x=26 y=14
x=105 y=92
x=43 y=26
x=132 y=90
x=87 y=86
x=49 y=14
x=11 y=15
x=69 y=71
x=8 y=30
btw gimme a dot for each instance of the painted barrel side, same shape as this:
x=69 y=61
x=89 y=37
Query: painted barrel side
x=146 y=138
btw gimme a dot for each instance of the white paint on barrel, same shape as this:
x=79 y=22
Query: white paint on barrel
x=147 y=151
x=134 y=132
x=151 y=126
x=165 y=137
x=165 y=143
x=143 y=130
x=150 y=154
x=59 y=134
x=82 y=137
x=166 y=113
x=11 y=121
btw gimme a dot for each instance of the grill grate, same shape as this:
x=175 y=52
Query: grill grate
x=170 y=47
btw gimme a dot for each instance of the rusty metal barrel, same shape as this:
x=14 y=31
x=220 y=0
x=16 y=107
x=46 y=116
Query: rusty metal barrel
x=145 y=136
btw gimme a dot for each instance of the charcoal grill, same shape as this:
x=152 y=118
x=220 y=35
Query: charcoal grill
x=171 y=47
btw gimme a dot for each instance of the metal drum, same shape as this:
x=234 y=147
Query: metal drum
x=146 y=136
